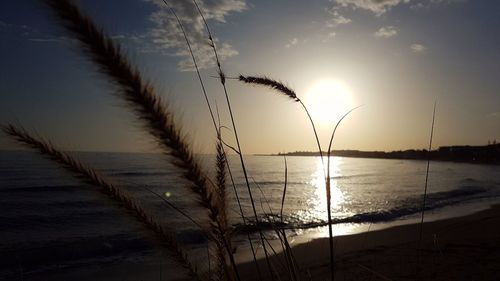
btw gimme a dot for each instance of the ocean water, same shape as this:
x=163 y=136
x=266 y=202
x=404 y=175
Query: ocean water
x=50 y=223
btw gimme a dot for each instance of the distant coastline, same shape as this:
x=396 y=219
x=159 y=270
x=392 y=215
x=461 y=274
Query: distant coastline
x=485 y=154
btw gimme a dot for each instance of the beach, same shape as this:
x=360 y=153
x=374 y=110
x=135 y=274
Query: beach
x=56 y=229
x=462 y=248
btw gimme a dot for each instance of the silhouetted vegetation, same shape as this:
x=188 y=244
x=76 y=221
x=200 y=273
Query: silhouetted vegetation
x=158 y=120
x=484 y=154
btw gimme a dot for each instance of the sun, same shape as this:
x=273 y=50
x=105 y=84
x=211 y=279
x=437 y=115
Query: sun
x=328 y=100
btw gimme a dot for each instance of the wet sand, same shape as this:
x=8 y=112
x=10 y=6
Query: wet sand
x=462 y=248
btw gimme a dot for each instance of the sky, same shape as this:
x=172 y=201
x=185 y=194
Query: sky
x=394 y=58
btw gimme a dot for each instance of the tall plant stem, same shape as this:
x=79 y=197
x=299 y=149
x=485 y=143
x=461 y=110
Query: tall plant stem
x=426 y=182
x=280 y=87
x=315 y=134
x=284 y=190
x=329 y=195
x=240 y=154
x=217 y=129
x=259 y=274
x=225 y=242
x=141 y=97
x=181 y=26
x=88 y=175
x=242 y=162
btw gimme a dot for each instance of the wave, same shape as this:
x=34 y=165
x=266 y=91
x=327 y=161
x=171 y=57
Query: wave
x=277 y=182
x=406 y=207
x=49 y=254
x=140 y=174
x=40 y=188
x=281 y=182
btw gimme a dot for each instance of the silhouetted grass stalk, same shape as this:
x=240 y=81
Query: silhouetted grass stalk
x=219 y=136
x=221 y=162
x=221 y=157
x=421 y=228
x=282 y=88
x=140 y=95
x=240 y=154
x=159 y=122
x=242 y=214
x=292 y=266
x=284 y=190
x=195 y=64
x=290 y=263
x=329 y=192
x=90 y=176
x=141 y=98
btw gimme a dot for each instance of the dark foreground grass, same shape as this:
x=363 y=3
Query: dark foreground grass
x=159 y=121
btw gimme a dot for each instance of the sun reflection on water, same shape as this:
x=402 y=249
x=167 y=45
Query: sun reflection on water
x=318 y=204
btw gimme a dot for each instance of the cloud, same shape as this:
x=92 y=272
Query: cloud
x=32 y=34
x=21 y=29
x=168 y=38
x=446 y=1
x=292 y=43
x=140 y=39
x=418 y=48
x=386 y=32
x=378 y=7
x=49 y=39
x=337 y=19
x=418 y=6
x=3 y=24
x=329 y=37
x=428 y=3
x=332 y=23
x=495 y=114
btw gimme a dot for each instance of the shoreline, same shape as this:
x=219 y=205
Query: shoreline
x=459 y=248
x=474 y=162
x=482 y=154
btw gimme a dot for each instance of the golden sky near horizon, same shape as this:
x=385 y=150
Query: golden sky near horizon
x=395 y=58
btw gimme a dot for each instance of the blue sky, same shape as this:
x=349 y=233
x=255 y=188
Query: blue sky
x=394 y=57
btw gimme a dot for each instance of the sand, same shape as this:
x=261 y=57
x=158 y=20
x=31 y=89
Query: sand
x=463 y=248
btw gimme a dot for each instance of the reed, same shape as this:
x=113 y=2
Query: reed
x=328 y=191
x=222 y=79
x=290 y=260
x=289 y=263
x=424 y=197
x=154 y=113
x=140 y=95
x=221 y=153
x=195 y=63
x=221 y=164
x=88 y=175
x=159 y=121
x=285 y=90
x=281 y=88
x=273 y=84
x=288 y=249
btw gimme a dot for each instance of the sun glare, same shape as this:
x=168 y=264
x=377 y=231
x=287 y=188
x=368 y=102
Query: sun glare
x=327 y=100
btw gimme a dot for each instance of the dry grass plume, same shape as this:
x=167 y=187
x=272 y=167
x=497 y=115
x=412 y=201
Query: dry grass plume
x=90 y=176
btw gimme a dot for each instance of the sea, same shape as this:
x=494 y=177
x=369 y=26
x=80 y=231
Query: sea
x=51 y=223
